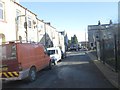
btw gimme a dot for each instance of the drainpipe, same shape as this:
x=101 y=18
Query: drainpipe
x=17 y=25
x=37 y=31
x=16 y=28
x=25 y=24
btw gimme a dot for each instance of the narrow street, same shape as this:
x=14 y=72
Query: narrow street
x=75 y=71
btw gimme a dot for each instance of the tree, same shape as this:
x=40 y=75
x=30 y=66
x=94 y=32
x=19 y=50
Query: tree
x=69 y=43
x=74 y=40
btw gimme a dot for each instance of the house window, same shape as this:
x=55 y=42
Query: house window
x=91 y=44
x=17 y=16
x=56 y=51
x=97 y=37
x=1 y=10
x=29 y=22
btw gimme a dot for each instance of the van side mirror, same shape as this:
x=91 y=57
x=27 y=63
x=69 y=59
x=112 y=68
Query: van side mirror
x=48 y=53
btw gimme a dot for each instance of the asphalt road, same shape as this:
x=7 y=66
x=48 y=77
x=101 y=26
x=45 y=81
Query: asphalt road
x=75 y=71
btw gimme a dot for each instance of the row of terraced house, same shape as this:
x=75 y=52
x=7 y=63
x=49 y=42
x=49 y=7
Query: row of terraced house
x=104 y=39
x=18 y=23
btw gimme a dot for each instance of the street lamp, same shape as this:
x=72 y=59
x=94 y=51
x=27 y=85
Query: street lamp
x=85 y=40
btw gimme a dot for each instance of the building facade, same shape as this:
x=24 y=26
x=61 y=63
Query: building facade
x=13 y=24
x=26 y=24
x=65 y=40
x=104 y=38
x=97 y=33
x=23 y=25
x=7 y=29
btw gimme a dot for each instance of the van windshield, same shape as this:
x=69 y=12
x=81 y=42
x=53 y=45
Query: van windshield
x=51 y=52
x=7 y=52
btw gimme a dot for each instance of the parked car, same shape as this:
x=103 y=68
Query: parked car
x=74 y=47
x=22 y=61
x=55 y=54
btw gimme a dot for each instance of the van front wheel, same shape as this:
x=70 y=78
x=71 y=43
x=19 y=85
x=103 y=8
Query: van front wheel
x=32 y=74
x=55 y=62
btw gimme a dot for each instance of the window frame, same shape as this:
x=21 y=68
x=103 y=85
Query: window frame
x=3 y=10
x=18 y=13
x=29 y=22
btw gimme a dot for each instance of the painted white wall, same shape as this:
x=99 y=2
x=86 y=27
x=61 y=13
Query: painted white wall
x=56 y=39
x=41 y=29
x=8 y=26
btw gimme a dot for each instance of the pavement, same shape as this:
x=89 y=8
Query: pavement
x=107 y=71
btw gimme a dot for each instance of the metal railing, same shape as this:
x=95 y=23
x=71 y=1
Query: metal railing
x=109 y=53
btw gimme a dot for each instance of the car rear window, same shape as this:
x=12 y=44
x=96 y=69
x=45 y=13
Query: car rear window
x=51 y=52
x=7 y=52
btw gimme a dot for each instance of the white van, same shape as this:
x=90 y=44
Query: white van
x=55 y=54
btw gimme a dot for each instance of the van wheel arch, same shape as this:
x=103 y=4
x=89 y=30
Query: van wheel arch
x=32 y=75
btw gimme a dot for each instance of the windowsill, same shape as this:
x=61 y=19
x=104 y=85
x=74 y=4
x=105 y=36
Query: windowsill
x=3 y=21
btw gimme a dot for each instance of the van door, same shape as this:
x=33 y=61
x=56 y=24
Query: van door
x=46 y=57
x=8 y=62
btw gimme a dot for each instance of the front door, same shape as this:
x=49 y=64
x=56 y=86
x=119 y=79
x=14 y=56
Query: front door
x=2 y=38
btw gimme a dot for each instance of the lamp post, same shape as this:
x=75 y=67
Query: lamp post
x=98 y=41
x=85 y=40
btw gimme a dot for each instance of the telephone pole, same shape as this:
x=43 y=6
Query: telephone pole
x=85 y=39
